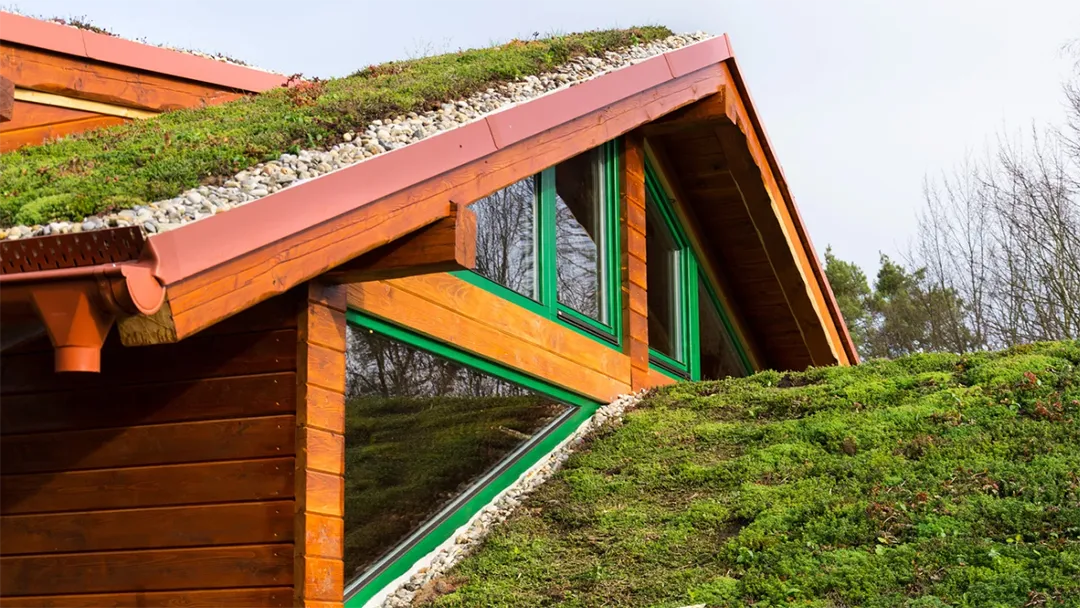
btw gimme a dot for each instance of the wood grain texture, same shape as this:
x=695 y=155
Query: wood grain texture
x=7 y=99
x=168 y=472
x=319 y=548
x=184 y=484
x=150 y=570
x=230 y=439
x=262 y=597
x=85 y=79
x=26 y=114
x=634 y=259
x=142 y=528
x=444 y=246
x=455 y=311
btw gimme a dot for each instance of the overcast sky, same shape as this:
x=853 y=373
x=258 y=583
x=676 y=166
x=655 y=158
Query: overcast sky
x=861 y=99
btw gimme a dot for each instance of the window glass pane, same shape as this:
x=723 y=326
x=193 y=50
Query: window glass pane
x=579 y=234
x=506 y=237
x=719 y=359
x=420 y=431
x=662 y=258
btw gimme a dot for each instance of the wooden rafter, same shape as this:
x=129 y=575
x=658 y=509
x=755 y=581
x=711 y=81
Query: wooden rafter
x=446 y=245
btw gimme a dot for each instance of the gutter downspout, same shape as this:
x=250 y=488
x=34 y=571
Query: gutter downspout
x=78 y=306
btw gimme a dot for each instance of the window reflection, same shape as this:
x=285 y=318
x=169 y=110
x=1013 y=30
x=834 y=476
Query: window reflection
x=719 y=359
x=579 y=233
x=662 y=255
x=420 y=431
x=506 y=237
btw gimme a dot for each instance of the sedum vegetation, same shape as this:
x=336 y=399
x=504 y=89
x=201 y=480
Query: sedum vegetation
x=928 y=481
x=150 y=160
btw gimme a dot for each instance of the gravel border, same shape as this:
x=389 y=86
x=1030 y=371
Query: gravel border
x=424 y=576
x=379 y=137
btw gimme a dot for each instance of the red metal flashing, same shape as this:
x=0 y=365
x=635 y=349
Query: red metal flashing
x=690 y=58
x=199 y=246
x=69 y=40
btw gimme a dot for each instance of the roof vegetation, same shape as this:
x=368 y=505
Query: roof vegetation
x=159 y=158
x=928 y=481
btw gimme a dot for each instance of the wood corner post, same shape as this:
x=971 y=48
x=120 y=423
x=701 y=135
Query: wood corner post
x=634 y=283
x=320 y=446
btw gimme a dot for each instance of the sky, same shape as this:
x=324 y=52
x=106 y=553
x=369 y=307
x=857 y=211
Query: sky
x=862 y=100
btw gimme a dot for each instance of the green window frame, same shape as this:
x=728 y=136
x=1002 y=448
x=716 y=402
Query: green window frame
x=547 y=303
x=360 y=591
x=687 y=366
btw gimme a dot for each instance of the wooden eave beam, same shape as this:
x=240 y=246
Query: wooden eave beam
x=7 y=99
x=448 y=244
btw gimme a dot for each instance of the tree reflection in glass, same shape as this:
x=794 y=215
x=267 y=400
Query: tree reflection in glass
x=579 y=233
x=420 y=431
x=506 y=237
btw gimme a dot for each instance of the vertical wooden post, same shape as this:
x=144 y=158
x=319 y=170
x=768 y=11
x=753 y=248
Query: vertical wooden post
x=634 y=285
x=320 y=447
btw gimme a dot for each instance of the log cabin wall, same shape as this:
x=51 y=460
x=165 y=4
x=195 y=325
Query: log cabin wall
x=179 y=473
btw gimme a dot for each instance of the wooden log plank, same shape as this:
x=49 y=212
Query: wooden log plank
x=85 y=79
x=455 y=311
x=222 y=524
x=318 y=553
x=33 y=136
x=183 y=484
x=151 y=570
x=7 y=99
x=444 y=246
x=235 y=439
x=198 y=358
x=173 y=402
x=27 y=114
x=264 y=597
x=204 y=299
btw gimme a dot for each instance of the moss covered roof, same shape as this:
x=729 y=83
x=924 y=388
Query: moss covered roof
x=155 y=159
x=930 y=481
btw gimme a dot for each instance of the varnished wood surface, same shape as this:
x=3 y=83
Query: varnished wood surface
x=173 y=470
x=453 y=310
x=319 y=550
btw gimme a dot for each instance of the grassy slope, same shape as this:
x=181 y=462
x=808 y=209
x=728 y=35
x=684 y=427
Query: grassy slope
x=934 y=480
x=159 y=158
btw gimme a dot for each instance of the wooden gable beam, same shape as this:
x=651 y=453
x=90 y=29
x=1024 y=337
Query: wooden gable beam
x=7 y=99
x=446 y=245
x=724 y=115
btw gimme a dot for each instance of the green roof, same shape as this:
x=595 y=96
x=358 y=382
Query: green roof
x=145 y=161
x=930 y=481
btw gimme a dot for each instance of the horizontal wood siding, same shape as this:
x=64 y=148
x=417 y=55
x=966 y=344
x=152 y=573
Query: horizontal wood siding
x=453 y=310
x=168 y=479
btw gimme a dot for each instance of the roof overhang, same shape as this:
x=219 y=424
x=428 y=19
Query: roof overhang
x=216 y=267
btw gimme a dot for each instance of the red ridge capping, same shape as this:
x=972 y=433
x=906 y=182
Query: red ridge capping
x=69 y=40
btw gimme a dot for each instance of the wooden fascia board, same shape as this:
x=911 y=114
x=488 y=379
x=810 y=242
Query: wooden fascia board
x=447 y=245
x=268 y=246
x=68 y=40
x=7 y=99
x=820 y=286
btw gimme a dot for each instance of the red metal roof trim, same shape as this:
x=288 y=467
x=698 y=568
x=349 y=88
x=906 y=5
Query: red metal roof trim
x=58 y=38
x=199 y=246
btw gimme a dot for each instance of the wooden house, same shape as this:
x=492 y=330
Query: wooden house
x=67 y=80
x=292 y=403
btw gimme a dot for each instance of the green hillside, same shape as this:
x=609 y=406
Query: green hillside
x=934 y=480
